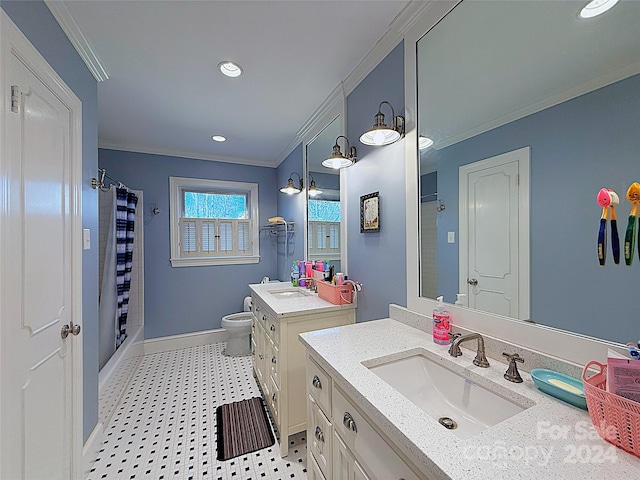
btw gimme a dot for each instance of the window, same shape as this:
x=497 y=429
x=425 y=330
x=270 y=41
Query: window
x=213 y=222
x=324 y=229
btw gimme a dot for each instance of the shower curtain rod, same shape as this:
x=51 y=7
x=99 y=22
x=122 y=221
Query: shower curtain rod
x=99 y=183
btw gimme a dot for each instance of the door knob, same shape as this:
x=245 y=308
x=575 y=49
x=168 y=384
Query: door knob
x=472 y=281
x=69 y=329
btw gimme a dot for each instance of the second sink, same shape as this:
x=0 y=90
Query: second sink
x=457 y=402
x=291 y=293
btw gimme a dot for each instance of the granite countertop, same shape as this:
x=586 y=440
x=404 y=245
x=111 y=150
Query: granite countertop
x=548 y=440
x=299 y=305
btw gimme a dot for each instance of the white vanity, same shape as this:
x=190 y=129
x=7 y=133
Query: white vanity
x=280 y=313
x=367 y=422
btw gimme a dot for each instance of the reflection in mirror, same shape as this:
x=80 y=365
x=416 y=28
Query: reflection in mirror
x=532 y=83
x=323 y=209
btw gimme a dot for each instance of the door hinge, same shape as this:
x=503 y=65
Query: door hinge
x=15 y=98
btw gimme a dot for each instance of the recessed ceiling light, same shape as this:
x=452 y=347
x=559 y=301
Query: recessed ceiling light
x=230 y=69
x=218 y=138
x=597 y=7
x=424 y=142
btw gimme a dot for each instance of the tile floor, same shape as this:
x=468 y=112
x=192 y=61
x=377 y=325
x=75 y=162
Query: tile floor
x=165 y=425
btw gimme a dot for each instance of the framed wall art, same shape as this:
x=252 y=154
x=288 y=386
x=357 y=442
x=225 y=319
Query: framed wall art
x=370 y=213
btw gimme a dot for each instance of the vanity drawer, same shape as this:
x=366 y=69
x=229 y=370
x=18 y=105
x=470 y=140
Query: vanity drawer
x=376 y=455
x=320 y=436
x=274 y=399
x=319 y=385
x=273 y=329
x=274 y=363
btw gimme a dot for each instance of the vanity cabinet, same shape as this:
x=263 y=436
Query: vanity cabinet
x=279 y=361
x=343 y=444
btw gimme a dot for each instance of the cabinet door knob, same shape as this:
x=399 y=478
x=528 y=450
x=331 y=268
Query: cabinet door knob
x=349 y=422
x=319 y=434
x=316 y=382
x=274 y=398
x=273 y=359
x=272 y=328
x=261 y=357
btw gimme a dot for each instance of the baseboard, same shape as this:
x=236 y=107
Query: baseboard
x=176 y=342
x=91 y=449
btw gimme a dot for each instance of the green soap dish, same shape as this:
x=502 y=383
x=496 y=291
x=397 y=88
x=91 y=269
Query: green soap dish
x=559 y=385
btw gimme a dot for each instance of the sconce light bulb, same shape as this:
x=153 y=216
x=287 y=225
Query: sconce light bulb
x=378 y=137
x=336 y=163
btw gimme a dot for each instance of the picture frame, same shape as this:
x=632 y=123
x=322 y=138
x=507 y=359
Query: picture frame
x=370 y=213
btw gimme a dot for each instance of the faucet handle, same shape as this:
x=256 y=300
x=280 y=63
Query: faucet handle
x=512 y=373
x=453 y=336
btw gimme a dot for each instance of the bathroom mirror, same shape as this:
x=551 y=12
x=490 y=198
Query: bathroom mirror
x=323 y=198
x=530 y=79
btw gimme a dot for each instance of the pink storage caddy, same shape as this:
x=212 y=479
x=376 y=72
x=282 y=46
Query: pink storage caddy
x=615 y=418
x=336 y=294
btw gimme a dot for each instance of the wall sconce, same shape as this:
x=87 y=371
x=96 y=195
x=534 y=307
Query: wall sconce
x=338 y=160
x=290 y=188
x=380 y=133
x=424 y=142
x=313 y=190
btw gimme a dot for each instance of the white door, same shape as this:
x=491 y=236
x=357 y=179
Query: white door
x=40 y=371
x=494 y=234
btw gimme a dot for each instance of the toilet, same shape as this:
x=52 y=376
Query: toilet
x=238 y=325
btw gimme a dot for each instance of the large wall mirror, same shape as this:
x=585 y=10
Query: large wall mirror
x=531 y=111
x=323 y=198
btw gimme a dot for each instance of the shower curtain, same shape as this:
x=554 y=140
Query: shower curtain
x=116 y=275
x=125 y=219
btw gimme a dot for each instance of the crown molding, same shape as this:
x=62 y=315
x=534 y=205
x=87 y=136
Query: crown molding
x=71 y=29
x=402 y=23
x=185 y=154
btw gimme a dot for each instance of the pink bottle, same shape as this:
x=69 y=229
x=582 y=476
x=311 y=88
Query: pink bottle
x=441 y=324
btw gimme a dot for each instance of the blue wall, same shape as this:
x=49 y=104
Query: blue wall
x=189 y=299
x=291 y=207
x=377 y=259
x=577 y=148
x=34 y=19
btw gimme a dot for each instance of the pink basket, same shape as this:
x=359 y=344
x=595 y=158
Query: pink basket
x=336 y=294
x=615 y=418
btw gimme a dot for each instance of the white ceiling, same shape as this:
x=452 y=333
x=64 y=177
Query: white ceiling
x=165 y=95
x=489 y=63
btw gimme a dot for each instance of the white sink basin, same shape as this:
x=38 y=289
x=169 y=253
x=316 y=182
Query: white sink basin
x=291 y=293
x=445 y=394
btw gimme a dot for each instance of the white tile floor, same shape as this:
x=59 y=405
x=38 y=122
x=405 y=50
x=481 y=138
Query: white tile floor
x=165 y=425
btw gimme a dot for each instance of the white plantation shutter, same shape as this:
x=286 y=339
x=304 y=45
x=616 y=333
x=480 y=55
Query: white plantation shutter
x=244 y=238
x=321 y=235
x=188 y=238
x=334 y=236
x=327 y=238
x=225 y=231
x=208 y=236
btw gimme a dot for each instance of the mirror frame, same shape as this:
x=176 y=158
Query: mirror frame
x=333 y=108
x=568 y=346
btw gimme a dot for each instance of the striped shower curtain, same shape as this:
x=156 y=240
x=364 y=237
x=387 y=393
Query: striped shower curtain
x=125 y=221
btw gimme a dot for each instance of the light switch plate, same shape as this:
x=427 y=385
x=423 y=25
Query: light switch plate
x=451 y=237
x=86 y=238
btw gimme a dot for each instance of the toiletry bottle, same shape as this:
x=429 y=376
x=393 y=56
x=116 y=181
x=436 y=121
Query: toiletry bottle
x=441 y=325
x=458 y=301
x=301 y=272
x=294 y=274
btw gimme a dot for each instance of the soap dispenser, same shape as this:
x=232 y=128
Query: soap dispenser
x=441 y=325
x=458 y=301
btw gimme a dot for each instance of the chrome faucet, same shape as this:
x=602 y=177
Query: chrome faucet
x=454 y=350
